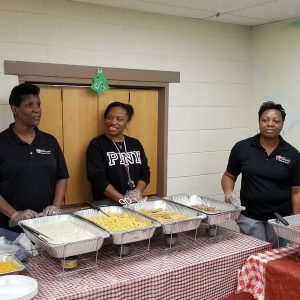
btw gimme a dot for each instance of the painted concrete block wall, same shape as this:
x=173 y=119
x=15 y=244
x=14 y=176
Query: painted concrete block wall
x=208 y=110
x=276 y=73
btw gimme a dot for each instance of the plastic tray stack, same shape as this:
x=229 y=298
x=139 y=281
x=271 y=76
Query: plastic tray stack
x=287 y=232
x=66 y=249
x=192 y=221
x=122 y=237
x=227 y=211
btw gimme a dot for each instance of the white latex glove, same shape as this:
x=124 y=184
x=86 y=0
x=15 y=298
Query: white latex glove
x=21 y=215
x=232 y=198
x=51 y=210
x=134 y=195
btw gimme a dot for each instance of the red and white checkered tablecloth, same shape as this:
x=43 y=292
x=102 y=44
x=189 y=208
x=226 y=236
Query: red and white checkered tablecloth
x=252 y=275
x=202 y=269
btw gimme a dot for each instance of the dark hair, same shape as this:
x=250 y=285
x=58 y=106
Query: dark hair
x=21 y=90
x=271 y=105
x=129 y=109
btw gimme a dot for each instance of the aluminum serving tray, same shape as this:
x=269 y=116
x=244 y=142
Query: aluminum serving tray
x=66 y=249
x=9 y=257
x=287 y=232
x=192 y=221
x=227 y=211
x=122 y=237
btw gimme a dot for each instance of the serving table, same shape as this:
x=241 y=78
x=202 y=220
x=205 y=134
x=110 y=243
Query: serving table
x=205 y=268
x=257 y=273
x=283 y=278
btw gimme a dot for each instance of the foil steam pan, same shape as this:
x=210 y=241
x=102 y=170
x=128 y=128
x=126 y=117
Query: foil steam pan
x=14 y=260
x=192 y=221
x=122 y=237
x=287 y=232
x=61 y=250
x=226 y=211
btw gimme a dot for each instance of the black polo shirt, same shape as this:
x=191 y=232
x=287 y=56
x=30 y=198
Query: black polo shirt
x=28 y=173
x=266 y=180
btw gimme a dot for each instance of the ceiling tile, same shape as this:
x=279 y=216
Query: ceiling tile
x=233 y=19
x=279 y=10
x=208 y=5
x=244 y=12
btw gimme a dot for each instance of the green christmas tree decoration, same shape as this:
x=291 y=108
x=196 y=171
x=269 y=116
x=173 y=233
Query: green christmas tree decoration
x=99 y=84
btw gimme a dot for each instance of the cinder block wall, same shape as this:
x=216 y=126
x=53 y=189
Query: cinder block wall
x=207 y=111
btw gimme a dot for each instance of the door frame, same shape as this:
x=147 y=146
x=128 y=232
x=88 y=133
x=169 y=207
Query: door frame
x=63 y=74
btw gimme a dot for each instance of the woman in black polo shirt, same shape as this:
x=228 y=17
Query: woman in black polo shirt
x=116 y=163
x=33 y=171
x=270 y=169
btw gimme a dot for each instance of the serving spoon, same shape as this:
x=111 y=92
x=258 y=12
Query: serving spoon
x=281 y=219
x=96 y=207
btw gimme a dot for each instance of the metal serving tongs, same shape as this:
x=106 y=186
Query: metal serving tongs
x=281 y=219
x=39 y=234
x=96 y=207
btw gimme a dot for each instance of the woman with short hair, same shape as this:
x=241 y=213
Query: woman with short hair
x=270 y=169
x=33 y=171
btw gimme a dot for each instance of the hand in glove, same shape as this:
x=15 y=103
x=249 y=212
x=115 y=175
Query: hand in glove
x=232 y=198
x=134 y=195
x=21 y=215
x=51 y=210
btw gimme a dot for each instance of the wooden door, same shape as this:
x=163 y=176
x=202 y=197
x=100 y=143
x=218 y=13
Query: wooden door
x=143 y=126
x=70 y=114
x=52 y=121
x=74 y=115
x=80 y=125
